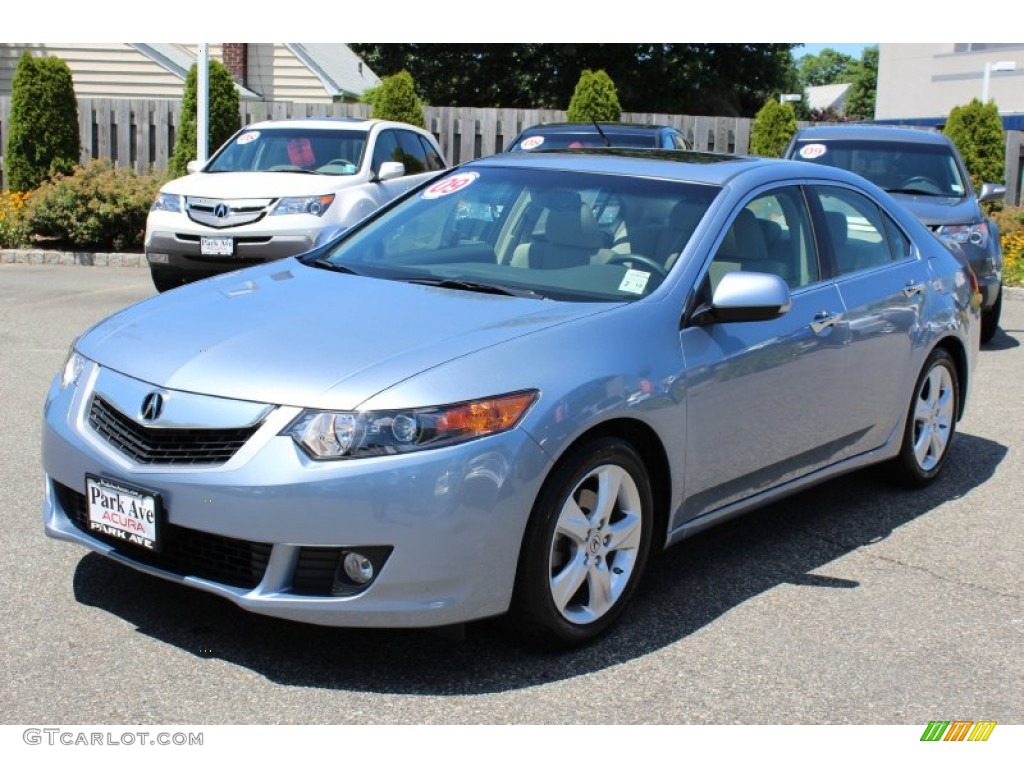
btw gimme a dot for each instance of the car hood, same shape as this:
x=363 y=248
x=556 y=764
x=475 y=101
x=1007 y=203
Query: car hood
x=290 y=334
x=936 y=211
x=265 y=184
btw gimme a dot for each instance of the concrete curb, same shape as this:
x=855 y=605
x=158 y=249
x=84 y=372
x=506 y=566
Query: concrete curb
x=71 y=258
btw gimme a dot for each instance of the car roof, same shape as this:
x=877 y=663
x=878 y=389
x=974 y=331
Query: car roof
x=330 y=123
x=672 y=164
x=871 y=133
x=576 y=127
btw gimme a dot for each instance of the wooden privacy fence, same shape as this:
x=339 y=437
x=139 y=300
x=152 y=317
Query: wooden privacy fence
x=140 y=133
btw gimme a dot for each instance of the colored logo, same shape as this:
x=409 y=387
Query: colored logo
x=958 y=730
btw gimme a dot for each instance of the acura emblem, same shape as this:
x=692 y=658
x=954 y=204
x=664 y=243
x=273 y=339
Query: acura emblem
x=152 y=406
x=220 y=210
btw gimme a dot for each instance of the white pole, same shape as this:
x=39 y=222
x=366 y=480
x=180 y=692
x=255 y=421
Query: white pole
x=203 y=103
x=984 y=83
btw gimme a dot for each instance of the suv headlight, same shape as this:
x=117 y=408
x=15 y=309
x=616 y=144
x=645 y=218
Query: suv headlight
x=976 y=234
x=349 y=434
x=316 y=205
x=166 y=202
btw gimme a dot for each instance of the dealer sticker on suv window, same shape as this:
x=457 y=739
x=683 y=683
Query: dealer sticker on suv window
x=450 y=185
x=811 y=151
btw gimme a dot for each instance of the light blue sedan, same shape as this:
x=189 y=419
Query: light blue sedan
x=506 y=390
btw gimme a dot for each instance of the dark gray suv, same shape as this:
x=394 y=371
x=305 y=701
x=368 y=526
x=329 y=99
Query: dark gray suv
x=924 y=172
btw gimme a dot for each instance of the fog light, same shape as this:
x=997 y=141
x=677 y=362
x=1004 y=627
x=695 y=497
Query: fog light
x=158 y=258
x=358 y=568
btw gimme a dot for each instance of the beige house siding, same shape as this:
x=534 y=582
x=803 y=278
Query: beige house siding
x=278 y=75
x=99 y=70
x=926 y=80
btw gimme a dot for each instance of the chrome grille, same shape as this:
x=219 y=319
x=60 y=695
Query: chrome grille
x=222 y=214
x=147 y=445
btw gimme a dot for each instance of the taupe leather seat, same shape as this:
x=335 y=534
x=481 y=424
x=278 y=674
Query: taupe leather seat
x=572 y=238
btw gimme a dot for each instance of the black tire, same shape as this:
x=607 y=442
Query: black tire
x=931 y=422
x=163 y=283
x=990 y=318
x=602 y=552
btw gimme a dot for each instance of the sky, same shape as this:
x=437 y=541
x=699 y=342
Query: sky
x=850 y=49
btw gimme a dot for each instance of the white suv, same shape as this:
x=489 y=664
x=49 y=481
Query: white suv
x=276 y=187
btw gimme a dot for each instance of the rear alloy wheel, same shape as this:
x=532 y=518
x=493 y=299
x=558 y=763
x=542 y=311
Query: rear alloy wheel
x=990 y=318
x=931 y=422
x=586 y=545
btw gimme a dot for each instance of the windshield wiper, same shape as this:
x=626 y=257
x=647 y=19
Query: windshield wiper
x=914 y=191
x=473 y=285
x=291 y=170
x=325 y=263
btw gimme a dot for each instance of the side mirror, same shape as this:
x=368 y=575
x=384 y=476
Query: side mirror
x=390 y=171
x=990 y=191
x=744 y=297
x=194 y=166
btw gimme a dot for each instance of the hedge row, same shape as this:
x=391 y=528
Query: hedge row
x=96 y=208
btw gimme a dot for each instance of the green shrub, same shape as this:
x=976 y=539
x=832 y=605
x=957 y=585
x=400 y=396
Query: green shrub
x=1011 y=236
x=13 y=220
x=395 y=99
x=977 y=132
x=97 y=208
x=224 y=118
x=595 y=98
x=773 y=127
x=43 y=136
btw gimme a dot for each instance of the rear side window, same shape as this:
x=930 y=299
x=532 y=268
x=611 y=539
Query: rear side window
x=861 y=234
x=434 y=161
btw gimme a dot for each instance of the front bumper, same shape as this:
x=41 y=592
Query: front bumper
x=173 y=243
x=266 y=529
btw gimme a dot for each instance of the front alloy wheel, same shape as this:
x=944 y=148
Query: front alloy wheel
x=586 y=545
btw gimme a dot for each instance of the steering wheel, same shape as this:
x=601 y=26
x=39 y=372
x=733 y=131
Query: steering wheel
x=632 y=258
x=338 y=161
x=922 y=180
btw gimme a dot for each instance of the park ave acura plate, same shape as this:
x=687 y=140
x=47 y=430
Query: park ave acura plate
x=123 y=512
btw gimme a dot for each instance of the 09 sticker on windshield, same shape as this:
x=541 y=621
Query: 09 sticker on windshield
x=811 y=151
x=532 y=142
x=450 y=185
x=245 y=138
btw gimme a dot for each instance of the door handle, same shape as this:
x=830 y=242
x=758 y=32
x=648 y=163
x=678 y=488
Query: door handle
x=824 y=320
x=912 y=288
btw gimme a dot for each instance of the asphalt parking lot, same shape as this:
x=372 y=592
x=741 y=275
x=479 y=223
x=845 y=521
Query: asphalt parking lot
x=850 y=603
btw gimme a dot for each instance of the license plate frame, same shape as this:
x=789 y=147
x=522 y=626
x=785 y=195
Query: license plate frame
x=217 y=246
x=124 y=512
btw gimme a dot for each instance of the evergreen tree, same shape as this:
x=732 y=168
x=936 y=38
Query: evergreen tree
x=43 y=138
x=860 y=99
x=595 y=98
x=773 y=127
x=224 y=117
x=977 y=131
x=395 y=99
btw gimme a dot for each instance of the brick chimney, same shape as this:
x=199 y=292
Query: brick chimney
x=236 y=59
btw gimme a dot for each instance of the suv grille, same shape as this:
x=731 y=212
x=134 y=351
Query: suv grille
x=226 y=213
x=147 y=445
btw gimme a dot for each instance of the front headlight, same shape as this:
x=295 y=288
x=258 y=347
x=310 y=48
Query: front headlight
x=316 y=205
x=976 y=234
x=166 y=202
x=349 y=435
x=74 y=364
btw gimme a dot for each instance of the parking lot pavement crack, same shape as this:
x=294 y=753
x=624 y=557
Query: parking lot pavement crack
x=939 y=576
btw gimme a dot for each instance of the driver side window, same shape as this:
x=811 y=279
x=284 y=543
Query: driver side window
x=386 y=150
x=772 y=234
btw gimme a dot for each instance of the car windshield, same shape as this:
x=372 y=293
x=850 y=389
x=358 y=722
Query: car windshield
x=579 y=139
x=546 y=233
x=292 y=149
x=900 y=167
